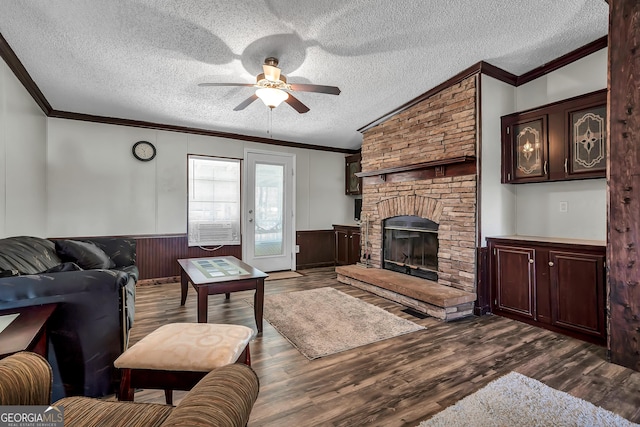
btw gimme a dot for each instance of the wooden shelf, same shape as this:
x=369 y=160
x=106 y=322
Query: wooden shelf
x=464 y=165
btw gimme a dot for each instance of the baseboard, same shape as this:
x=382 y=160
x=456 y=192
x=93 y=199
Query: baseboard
x=158 y=281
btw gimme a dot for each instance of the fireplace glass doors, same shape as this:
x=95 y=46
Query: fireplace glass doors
x=410 y=246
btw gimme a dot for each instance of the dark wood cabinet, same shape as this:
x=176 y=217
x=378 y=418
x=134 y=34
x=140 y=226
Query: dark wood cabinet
x=353 y=184
x=574 y=305
x=554 y=283
x=347 y=244
x=560 y=141
x=515 y=280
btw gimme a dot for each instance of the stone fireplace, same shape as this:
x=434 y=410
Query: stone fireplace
x=419 y=167
x=410 y=246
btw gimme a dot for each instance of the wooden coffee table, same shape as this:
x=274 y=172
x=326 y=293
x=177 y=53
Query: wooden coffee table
x=221 y=275
x=27 y=331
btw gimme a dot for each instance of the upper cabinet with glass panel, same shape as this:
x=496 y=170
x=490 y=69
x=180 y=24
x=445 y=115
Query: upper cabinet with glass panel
x=353 y=184
x=560 y=141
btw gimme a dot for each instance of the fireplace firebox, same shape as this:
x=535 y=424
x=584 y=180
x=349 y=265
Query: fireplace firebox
x=410 y=246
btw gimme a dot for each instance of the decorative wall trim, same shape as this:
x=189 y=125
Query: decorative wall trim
x=156 y=256
x=195 y=131
x=474 y=69
x=498 y=73
x=23 y=76
x=567 y=59
x=481 y=67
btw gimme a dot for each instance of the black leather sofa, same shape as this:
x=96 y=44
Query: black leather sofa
x=93 y=281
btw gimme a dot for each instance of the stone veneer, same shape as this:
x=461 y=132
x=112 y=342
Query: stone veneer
x=440 y=127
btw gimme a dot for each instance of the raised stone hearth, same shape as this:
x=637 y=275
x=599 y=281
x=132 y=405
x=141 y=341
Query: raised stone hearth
x=421 y=163
x=443 y=302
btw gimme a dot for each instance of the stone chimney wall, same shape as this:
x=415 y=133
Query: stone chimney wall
x=440 y=127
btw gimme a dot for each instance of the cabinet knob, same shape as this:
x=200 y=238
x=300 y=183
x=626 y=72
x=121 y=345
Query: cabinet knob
x=550 y=263
x=530 y=260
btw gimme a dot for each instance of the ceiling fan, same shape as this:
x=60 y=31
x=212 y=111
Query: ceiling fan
x=273 y=88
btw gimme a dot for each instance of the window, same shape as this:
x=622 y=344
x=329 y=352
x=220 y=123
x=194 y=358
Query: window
x=214 y=201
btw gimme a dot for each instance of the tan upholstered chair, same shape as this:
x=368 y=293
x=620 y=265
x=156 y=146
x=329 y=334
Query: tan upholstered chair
x=224 y=397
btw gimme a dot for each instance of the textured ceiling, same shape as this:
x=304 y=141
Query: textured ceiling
x=143 y=60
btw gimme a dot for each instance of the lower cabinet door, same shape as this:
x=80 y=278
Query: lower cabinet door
x=515 y=280
x=342 y=247
x=354 y=247
x=577 y=292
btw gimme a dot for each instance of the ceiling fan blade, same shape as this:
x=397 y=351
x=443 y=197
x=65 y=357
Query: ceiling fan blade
x=226 y=84
x=331 y=90
x=244 y=104
x=296 y=104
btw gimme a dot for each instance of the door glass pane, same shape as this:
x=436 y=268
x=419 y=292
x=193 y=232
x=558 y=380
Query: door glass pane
x=269 y=213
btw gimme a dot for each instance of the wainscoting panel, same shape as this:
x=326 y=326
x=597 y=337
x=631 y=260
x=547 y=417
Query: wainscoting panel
x=156 y=255
x=317 y=248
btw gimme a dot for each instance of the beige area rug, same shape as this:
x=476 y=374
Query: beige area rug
x=519 y=401
x=277 y=275
x=320 y=322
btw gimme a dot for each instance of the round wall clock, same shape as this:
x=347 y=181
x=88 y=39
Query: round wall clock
x=144 y=151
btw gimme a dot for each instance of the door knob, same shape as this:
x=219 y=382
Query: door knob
x=250 y=219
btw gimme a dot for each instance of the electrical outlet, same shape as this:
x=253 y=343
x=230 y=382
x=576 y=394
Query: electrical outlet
x=297 y=249
x=564 y=206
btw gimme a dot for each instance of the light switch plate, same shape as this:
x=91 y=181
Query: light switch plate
x=564 y=207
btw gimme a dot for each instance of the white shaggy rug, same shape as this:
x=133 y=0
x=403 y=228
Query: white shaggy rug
x=324 y=321
x=519 y=401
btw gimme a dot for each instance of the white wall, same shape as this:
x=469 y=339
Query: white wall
x=534 y=209
x=96 y=187
x=497 y=201
x=23 y=207
x=538 y=205
x=583 y=76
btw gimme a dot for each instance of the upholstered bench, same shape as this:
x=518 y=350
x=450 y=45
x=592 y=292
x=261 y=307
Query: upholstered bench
x=178 y=355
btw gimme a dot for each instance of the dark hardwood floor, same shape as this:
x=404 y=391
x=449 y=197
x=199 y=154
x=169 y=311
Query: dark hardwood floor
x=399 y=381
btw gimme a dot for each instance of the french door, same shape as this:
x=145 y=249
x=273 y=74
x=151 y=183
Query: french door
x=269 y=211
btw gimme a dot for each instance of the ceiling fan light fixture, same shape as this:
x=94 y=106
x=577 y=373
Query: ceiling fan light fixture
x=271 y=73
x=271 y=97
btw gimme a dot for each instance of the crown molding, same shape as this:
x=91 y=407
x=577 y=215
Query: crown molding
x=567 y=59
x=195 y=131
x=482 y=67
x=499 y=74
x=23 y=76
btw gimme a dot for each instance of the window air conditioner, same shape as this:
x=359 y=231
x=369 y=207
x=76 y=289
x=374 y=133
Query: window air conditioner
x=214 y=232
